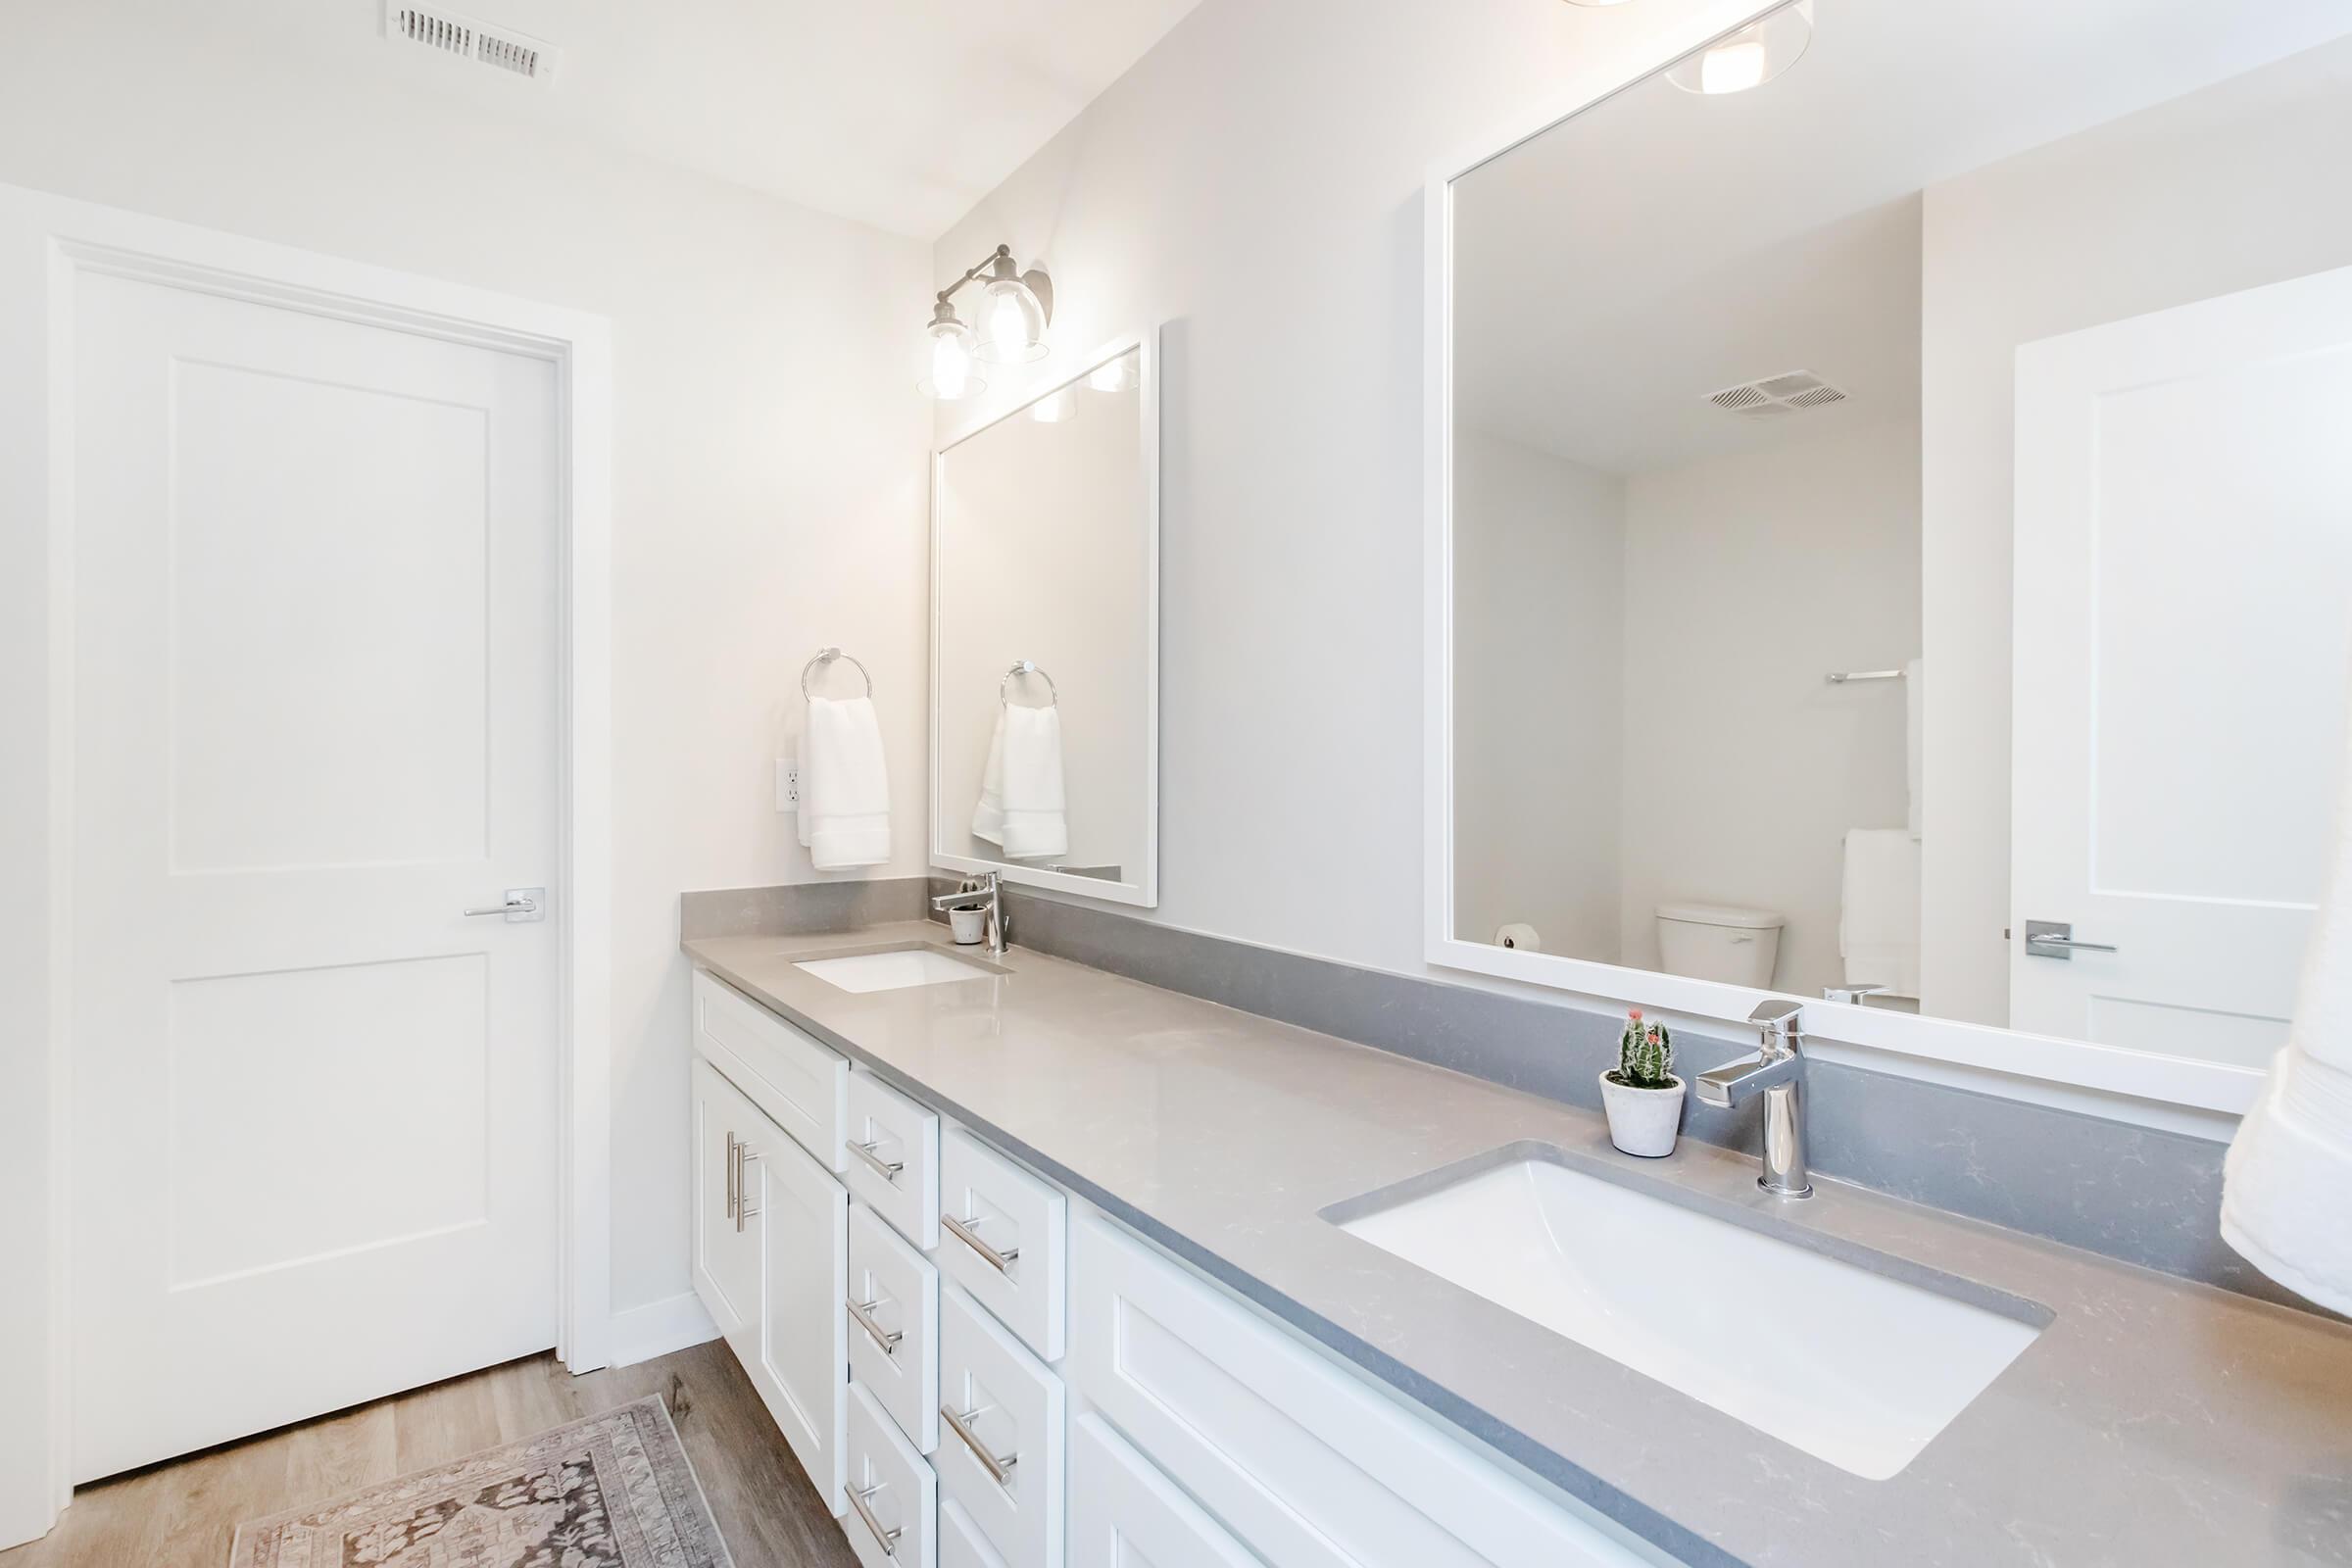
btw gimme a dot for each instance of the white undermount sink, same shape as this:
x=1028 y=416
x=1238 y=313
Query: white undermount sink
x=1835 y=1357
x=893 y=970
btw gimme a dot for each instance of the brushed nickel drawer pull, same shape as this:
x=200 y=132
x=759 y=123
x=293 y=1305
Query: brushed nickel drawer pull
x=961 y=1229
x=887 y=1169
x=887 y=1540
x=734 y=1175
x=887 y=1338
x=742 y=1208
x=1001 y=1470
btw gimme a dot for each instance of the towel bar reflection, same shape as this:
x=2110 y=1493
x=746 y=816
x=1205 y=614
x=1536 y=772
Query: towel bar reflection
x=1027 y=666
x=826 y=656
x=1844 y=677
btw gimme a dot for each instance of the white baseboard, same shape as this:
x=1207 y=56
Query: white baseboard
x=658 y=1328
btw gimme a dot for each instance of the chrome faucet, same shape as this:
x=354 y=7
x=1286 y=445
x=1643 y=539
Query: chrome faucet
x=988 y=896
x=1778 y=1069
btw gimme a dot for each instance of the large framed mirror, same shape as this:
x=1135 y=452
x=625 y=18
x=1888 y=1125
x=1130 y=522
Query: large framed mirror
x=1045 y=635
x=1890 y=520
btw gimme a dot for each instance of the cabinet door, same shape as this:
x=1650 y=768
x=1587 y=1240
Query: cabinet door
x=801 y=1363
x=726 y=1252
x=1126 y=1514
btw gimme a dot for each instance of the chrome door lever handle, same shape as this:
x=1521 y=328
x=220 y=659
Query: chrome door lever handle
x=522 y=904
x=2056 y=939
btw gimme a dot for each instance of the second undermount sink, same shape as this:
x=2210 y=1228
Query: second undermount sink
x=1835 y=1355
x=895 y=969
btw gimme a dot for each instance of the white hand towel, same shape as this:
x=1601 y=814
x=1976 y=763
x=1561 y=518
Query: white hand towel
x=2287 y=1185
x=845 y=785
x=1877 y=925
x=1037 y=822
x=1915 y=708
x=988 y=812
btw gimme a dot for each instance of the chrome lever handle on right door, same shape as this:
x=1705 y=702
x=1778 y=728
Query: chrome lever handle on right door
x=2056 y=939
x=523 y=905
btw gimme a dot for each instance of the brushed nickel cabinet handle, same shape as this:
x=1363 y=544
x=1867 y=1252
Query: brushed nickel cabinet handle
x=887 y=1338
x=887 y=1540
x=742 y=1208
x=734 y=1175
x=1000 y=1470
x=887 y=1169
x=961 y=1229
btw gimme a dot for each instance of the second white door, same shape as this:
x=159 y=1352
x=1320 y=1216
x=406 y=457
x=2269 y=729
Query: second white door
x=2183 y=572
x=314 y=709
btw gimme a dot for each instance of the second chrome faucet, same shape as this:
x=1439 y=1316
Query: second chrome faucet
x=1778 y=1071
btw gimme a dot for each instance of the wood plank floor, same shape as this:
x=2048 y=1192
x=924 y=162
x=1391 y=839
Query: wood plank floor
x=185 y=1513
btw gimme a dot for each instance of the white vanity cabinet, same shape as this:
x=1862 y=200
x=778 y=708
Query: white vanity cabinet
x=1038 y=1387
x=725 y=1250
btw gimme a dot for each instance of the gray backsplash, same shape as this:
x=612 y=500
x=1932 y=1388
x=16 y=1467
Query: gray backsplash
x=2136 y=1193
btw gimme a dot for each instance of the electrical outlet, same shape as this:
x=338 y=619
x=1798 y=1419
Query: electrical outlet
x=788 y=784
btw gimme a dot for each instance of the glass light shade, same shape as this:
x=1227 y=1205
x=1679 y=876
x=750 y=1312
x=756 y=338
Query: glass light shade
x=1119 y=375
x=954 y=375
x=1751 y=57
x=1012 y=324
x=1054 y=407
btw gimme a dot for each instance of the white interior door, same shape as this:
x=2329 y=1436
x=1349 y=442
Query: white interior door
x=314 y=1150
x=2184 y=574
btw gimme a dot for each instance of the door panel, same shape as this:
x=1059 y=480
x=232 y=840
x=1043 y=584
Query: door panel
x=2183 y=558
x=726 y=1250
x=314 y=714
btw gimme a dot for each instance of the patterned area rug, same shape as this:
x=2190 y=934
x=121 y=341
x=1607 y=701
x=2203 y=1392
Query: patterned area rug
x=615 y=1491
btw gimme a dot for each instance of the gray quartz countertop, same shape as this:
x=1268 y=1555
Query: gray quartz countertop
x=2154 y=1422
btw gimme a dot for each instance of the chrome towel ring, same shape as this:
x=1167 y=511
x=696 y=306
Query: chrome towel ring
x=1026 y=666
x=826 y=656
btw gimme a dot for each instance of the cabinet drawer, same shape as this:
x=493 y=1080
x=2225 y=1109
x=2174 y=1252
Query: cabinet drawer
x=961 y=1542
x=893 y=1515
x=1123 y=1511
x=802 y=1086
x=1308 y=1465
x=1001 y=1444
x=893 y=1149
x=894 y=1326
x=1005 y=1239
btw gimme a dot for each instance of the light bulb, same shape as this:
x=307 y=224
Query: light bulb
x=1116 y=376
x=1749 y=57
x=1054 y=408
x=1732 y=66
x=1008 y=331
x=951 y=366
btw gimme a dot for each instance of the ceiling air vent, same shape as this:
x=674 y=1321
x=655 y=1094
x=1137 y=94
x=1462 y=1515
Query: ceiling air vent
x=462 y=37
x=1777 y=395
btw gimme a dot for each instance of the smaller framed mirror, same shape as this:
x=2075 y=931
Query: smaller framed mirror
x=1045 y=635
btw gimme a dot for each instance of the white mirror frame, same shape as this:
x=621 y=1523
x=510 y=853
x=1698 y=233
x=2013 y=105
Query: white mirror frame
x=2048 y=1059
x=1141 y=890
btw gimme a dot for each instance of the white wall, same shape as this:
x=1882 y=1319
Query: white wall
x=1538 y=578
x=2231 y=188
x=1255 y=183
x=1747 y=578
x=767 y=470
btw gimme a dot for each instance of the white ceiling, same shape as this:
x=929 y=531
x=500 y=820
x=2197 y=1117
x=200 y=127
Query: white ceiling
x=899 y=113
x=1613 y=271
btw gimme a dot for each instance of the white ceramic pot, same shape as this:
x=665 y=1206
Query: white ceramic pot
x=1642 y=1121
x=969 y=926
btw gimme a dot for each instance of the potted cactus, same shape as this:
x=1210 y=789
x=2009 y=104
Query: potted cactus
x=1642 y=1095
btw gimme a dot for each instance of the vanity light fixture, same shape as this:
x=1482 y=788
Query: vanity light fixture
x=1014 y=310
x=1749 y=57
x=1119 y=375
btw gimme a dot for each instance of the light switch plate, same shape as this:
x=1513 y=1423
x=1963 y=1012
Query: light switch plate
x=788 y=784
